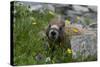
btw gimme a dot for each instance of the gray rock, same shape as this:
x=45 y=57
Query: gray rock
x=93 y=25
x=84 y=46
x=93 y=8
x=80 y=8
x=72 y=12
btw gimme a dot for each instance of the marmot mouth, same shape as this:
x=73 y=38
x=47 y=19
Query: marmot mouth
x=53 y=34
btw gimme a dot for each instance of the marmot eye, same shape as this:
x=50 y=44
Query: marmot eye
x=60 y=28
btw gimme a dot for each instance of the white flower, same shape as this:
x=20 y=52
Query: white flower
x=48 y=59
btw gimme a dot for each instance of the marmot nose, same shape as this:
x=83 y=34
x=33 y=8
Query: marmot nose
x=53 y=33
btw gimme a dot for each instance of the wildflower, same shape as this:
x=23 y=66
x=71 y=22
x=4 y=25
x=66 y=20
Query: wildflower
x=69 y=51
x=48 y=59
x=78 y=17
x=75 y=30
x=52 y=13
x=67 y=22
x=34 y=23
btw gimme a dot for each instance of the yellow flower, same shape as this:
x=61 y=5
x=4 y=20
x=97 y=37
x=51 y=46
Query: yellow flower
x=75 y=30
x=34 y=23
x=78 y=17
x=52 y=13
x=69 y=51
x=67 y=21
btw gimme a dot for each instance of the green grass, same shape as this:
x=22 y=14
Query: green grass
x=27 y=35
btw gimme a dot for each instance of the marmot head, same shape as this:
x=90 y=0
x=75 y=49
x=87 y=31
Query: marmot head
x=55 y=29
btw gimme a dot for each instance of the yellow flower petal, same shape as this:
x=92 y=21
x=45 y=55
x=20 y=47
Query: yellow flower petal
x=69 y=51
x=67 y=21
x=52 y=13
x=34 y=23
x=78 y=17
x=75 y=30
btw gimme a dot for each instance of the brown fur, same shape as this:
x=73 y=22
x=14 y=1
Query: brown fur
x=63 y=40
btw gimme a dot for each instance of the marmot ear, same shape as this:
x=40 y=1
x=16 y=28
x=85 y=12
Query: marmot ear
x=49 y=26
x=63 y=23
x=60 y=28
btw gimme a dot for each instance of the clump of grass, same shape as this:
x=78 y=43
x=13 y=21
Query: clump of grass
x=27 y=40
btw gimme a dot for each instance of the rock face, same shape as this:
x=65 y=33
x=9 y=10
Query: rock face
x=84 y=46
